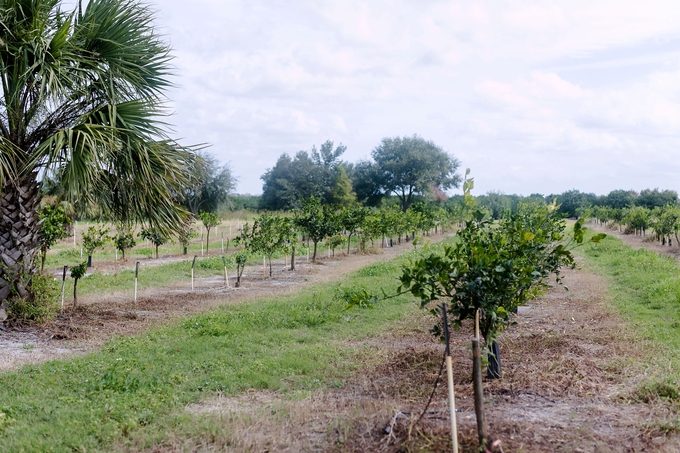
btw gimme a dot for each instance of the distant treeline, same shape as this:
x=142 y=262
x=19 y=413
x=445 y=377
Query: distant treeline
x=574 y=203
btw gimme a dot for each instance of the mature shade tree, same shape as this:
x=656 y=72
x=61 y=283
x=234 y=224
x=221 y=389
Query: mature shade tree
x=620 y=199
x=211 y=186
x=651 y=199
x=342 y=194
x=365 y=181
x=410 y=166
x=81 y=99
x=573 y=201
x=309 y=174
x=497 y=203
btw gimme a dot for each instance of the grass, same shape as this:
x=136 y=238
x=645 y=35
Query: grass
x=165 y=275
x=645 y=289
x=132 y=393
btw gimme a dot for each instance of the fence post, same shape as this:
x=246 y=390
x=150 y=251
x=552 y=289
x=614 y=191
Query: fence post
x=193 y=263
x=136 y=277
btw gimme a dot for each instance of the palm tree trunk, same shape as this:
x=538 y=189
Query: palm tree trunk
x=19 y=234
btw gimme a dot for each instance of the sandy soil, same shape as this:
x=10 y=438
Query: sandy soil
x=98 y=318
x=567 y=386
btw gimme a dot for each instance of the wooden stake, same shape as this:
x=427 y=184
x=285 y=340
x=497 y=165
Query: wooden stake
x=449 y=373
x=193 y=263
x=136 y=277
x=226 y=277
x=478 y=389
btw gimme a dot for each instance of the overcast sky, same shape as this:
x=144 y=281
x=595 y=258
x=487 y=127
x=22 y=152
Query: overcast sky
x=532 y=96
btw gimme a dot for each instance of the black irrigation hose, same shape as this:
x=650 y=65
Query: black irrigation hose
x=434 y=389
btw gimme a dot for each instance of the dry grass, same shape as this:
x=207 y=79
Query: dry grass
x=568 y=373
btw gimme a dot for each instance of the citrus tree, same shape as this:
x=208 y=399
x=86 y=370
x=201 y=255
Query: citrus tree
x=493 y=268
x=210 y=220
x=351 y=219
x=77 y=272
x=94 y=239
x=269 y=234
x=154 y=235
x=125 y=239
x=317 y=220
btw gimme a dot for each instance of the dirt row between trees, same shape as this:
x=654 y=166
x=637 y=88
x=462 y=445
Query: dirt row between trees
x=568 y=385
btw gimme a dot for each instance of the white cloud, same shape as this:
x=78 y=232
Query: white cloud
x=534 y=96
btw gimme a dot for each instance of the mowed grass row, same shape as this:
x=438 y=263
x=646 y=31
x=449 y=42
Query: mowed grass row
x=133 y=392
x=645 y=289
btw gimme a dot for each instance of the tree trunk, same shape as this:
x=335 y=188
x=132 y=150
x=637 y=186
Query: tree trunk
x=292 y=259
x=157 y=252
x=314 y=256
x=207 y=241
x=349 y=241
x=19 y=235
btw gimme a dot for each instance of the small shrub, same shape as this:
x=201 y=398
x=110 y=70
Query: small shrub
x=41 y=305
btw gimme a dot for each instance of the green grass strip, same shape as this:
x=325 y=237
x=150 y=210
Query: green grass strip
x=135 y=387
x=646 y=292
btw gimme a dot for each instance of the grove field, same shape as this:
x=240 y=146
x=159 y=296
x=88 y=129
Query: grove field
x=281 y=365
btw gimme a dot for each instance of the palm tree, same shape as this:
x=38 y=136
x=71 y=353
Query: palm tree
x=82 y=96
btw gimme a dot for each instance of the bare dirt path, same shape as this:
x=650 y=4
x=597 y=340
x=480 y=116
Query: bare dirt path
x=568 y=386
x=100 y=317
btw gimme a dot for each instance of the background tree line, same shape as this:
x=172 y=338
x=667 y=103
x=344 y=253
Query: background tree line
x=407 y=168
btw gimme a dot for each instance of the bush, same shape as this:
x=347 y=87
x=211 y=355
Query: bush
x=42 y=304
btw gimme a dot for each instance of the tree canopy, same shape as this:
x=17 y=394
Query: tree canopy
x=211 y=185
x=407 y=167
x=314 y=173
